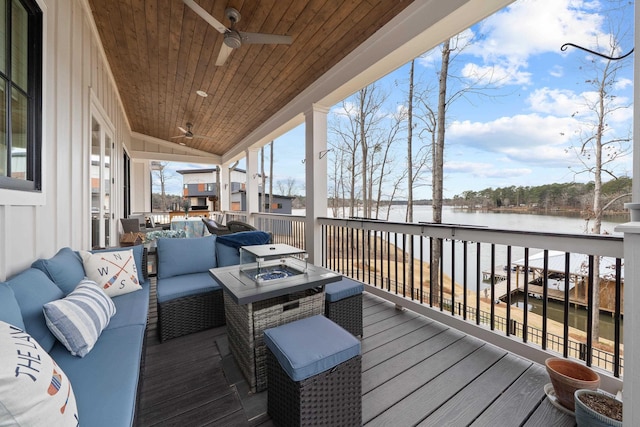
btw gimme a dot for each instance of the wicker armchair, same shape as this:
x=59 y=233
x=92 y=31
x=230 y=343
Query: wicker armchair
x=237 y=226
x=215 y=227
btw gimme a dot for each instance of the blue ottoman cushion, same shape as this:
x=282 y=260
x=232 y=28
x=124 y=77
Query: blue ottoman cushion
x=309 y=346
x=345 y=288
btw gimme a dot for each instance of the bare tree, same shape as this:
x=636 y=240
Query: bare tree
x=363 y=132
x=434 y=121
x=409 y=215
x=287 y=186
x=600 y=143
x=161 y=177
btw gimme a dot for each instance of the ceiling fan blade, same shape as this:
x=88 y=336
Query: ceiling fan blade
x=225 y=51
x=261 y=38
x=204 y=137
x=182 y=129
x=205 y=15
x=177 y=136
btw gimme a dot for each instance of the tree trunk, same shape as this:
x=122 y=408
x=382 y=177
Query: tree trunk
x=363 y=147
x=409 y=217
x=438 y=161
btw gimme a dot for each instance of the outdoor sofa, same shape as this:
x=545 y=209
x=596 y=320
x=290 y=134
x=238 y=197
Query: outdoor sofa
x=189 y=299
x=105 y=378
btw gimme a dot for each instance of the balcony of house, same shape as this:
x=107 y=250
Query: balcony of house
x=431 y=355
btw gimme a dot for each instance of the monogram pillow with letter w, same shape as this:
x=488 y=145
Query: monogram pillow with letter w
x=115 y=272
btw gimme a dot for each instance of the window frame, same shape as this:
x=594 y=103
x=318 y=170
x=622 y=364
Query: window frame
x=33 y=181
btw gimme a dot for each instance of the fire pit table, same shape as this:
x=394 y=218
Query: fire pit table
x=273 y=285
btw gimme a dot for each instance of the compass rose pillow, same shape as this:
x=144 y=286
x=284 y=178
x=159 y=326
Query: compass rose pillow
x=115 y=272
x=33 y=389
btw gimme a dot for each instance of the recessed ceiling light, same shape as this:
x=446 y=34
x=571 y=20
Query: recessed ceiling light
x=202 y=93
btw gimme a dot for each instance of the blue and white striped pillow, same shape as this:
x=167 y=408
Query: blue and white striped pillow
x=79 y=318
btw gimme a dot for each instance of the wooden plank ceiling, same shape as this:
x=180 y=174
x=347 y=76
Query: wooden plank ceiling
x=161 y=52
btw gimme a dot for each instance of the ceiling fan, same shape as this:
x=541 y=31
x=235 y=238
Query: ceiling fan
x=233 y=38
x=188 y=133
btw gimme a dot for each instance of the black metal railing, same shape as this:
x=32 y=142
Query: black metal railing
x=549 y=269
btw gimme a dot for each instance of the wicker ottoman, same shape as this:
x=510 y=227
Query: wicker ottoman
x=343 y=304
x=313 y=374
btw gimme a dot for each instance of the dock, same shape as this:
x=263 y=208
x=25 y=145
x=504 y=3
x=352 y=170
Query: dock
x=500 y=287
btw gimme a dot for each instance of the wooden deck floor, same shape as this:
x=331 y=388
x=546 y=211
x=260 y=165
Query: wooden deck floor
x=415 y=372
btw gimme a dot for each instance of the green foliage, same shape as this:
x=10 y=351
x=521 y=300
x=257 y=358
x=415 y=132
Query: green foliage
x=571 y=195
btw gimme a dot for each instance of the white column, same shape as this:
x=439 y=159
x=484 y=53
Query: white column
x=225 y=187
x=316 y=178
x=252 y=183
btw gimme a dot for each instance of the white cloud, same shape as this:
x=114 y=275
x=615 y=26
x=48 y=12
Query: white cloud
x=530 y=27
x=497 y=75
x=530 y=139
x=484 y=170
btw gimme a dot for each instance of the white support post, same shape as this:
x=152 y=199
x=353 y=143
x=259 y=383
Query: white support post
x=252 y=184
x=225 y=187
x=631 y=230
x=316 y=179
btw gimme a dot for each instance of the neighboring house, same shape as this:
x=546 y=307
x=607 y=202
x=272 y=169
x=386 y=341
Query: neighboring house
x=199 y=185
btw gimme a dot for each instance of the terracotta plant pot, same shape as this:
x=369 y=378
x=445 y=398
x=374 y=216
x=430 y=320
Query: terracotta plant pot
x=567 y=377
x=588 y=417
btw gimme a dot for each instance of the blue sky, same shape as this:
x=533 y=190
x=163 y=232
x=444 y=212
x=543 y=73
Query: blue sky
x=521 y=130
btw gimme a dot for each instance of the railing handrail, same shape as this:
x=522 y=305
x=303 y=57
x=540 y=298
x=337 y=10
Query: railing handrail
x=593 y=244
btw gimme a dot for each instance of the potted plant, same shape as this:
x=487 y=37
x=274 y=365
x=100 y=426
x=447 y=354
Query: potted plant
x=595 y=408
x=186 y=204
x=568 y=376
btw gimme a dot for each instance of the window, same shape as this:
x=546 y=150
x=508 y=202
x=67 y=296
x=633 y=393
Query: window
x=20 y=94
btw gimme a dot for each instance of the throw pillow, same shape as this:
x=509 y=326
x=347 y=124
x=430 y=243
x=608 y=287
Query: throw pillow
x=34 y=390
x=115 y=272
x=78 y=319
x=64 y=268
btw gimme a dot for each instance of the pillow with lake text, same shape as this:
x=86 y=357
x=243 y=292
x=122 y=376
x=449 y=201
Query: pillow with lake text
x=34 y=391
x=115 y=272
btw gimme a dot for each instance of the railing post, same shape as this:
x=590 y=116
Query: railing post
x=631 y=232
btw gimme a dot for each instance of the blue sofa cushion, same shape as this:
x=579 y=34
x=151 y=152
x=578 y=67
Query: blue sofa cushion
x=33 y=390
x=64 y=268
x=9 y=308
x=309 y=346
x=33 y=289
x=183 y=286
x=78 y=319
x=105 y=381
x=228 y=247
x=137 y=256
x=185 y=256
x=131 y=308
x=345 y=288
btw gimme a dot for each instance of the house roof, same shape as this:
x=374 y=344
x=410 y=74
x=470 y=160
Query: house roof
x=577 y=264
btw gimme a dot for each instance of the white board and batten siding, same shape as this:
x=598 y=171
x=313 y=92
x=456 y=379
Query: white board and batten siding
x=75 y=76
